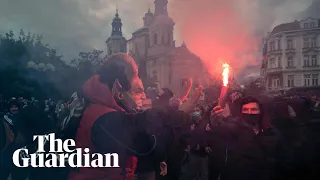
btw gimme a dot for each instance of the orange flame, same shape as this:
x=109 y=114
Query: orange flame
x=225 y=74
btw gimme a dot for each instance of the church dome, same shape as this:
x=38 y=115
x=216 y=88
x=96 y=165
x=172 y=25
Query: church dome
x=116 y=17
x=149 y=13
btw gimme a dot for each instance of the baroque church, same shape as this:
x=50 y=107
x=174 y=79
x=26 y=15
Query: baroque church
x=154 y=50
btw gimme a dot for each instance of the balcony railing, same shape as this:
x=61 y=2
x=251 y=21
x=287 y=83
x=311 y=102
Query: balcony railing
x=275 y=51
x=307 y=49
x=290 y=67
x=276 y=69
x=291 y=50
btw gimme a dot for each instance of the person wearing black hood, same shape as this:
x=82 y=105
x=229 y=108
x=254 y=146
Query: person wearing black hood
x=248 y=144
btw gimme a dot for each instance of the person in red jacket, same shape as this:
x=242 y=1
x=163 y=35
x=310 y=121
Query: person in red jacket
x=111 y=124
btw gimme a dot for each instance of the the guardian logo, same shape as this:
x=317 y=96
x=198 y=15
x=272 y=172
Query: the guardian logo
x=62 y=154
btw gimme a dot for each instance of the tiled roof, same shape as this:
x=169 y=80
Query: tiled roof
x=286 y=27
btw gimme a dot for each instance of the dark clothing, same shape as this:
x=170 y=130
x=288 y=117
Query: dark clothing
x=238 y=153
x=102 y=103
x=105 y=127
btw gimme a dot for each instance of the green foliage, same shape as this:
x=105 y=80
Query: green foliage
x=18 y=78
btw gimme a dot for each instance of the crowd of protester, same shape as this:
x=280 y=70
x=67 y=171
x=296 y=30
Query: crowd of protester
x=248 y=138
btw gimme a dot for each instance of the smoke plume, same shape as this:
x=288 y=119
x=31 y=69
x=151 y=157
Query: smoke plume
x=231 y=31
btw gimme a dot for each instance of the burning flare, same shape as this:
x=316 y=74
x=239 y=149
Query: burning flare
x=225 y=74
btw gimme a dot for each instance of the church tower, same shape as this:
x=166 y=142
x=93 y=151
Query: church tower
x=116 y=42
x=147 y=19
x=161 y=7
x=161 y=30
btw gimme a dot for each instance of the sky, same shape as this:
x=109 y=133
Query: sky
x=231 y=30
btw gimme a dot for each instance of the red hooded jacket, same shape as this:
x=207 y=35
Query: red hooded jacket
x=101 y=102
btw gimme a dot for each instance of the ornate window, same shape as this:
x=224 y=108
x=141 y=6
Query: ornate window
x=275 y=82
x=272 y=63
x=315 y=79
x=307 y=79
x=290 y=80
x=314 y=60
x=306 y=61
x=289 y=43
x=305 y=42
x=290 y=61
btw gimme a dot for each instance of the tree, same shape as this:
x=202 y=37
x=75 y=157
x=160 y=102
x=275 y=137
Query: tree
x=19 y=80
x=89 y=61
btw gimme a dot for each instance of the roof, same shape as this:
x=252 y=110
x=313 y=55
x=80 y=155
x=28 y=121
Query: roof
x=286 y=27
x=140 y=30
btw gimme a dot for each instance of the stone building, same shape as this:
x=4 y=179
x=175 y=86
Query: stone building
x=116 y=42
x=153 y=47
x=291 y=56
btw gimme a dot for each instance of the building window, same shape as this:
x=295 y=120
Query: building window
x=306 y=42
x=290 y=80
x=279 y=44
x=272 y=46
x=307 y=79
x=314 y=60
x=315 y=79
x=275 y=82
x=313 y=24
x=162 y=40
x=314 y=42
x=279 y=61
x=305 y=25
x=272 y=63
x=289 y=44
x=155 y=39
x=290 y=61
x=306 y=61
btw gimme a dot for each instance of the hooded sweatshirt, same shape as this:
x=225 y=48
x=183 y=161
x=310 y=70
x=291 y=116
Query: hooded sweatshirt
x=106 y=127
x=97 y=117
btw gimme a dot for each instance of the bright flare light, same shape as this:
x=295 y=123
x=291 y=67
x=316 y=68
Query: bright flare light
x=225 y=74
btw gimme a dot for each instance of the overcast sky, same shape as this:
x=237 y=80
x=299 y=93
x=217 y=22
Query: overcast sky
x=72 y=26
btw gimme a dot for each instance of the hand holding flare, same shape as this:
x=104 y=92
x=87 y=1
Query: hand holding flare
x=224 y=89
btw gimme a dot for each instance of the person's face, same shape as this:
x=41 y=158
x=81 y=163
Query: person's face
x=250 y=108
x=133 y=98
x=14 y=109
x=137 y=92
x=196 y=114
x=146 y=104
x=197 y=111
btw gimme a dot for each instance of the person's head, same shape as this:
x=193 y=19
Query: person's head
x=120 y=74
x=251 y=111
x=197 y=113
x=198 y=110
x=14 y=106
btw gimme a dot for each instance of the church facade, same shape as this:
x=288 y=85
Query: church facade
x=153 y=47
